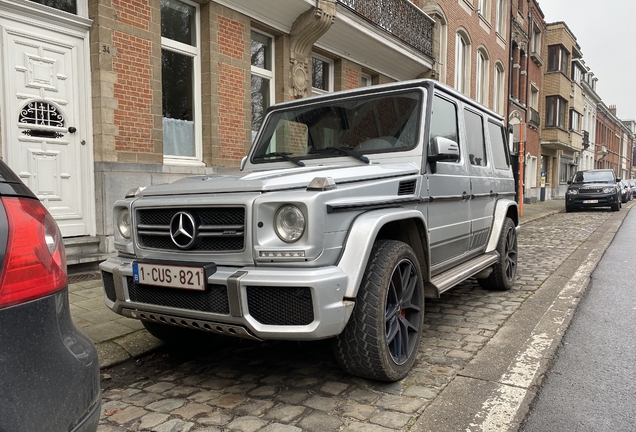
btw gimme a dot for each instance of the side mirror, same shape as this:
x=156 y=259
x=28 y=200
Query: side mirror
x=443 y=149
x=618 y=180
x=569 y=182
x=243 y=162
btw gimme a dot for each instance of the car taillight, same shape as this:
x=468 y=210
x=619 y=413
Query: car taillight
x=35 y=261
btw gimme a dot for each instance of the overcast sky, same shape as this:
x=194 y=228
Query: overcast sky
x=606 y=33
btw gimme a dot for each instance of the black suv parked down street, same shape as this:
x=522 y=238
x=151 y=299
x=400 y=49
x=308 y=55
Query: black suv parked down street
x=593 y=188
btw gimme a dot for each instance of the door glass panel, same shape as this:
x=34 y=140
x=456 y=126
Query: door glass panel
x=69 y=6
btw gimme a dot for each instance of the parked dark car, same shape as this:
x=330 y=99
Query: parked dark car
x=626 y=191
x=593 y=188
x=49 y=370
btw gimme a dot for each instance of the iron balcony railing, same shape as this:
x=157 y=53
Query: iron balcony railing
x=401 y=18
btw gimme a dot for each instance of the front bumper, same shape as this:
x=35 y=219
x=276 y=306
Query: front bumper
x=250 y=302
x=591 y=200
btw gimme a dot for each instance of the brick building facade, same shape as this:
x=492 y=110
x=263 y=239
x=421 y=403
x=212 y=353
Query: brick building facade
x=526 y=78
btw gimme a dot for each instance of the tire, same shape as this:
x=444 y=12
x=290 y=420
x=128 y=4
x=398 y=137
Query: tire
x=504 y=271
x=382 y=336
x=569 y=209
x=174 y=335
x=617 y=206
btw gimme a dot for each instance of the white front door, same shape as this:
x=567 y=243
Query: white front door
x=46 y=119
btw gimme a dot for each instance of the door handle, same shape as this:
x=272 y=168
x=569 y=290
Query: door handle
x=465 y=196
x=493 y=194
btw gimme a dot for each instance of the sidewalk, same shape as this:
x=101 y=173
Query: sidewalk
x=119 y=339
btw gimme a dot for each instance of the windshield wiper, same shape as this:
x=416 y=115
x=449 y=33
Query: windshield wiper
x=281 y=155
x=344 y=151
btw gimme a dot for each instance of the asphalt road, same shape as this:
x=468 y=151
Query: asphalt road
x=591 y=385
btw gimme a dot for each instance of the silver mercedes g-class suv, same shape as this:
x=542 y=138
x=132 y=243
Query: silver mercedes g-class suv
x=349 y=210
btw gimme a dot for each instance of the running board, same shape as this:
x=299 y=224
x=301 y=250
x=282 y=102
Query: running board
x=445 y=281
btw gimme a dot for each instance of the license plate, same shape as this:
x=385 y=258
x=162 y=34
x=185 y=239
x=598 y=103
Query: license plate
x=590 y=201
x=170 y=276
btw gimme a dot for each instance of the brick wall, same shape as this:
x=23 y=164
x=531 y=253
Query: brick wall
x=133 y=93
x=234 y=98
x=133 y=12
x=462 y=14
x=352 y=79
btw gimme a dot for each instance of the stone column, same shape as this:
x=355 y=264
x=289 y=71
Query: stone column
x=305 y=31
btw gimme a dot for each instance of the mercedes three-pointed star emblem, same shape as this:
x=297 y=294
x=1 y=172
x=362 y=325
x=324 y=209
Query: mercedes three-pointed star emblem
x=183 y=230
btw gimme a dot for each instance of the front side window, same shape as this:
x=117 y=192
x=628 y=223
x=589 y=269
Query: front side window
x=555 y=110
x=180 y=83
x=343 y=128
x=443 y=121
x=321 y=74
x=475 y=138
x=262 y=59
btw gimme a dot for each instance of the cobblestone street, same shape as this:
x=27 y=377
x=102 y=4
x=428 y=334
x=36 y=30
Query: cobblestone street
x=239 y=385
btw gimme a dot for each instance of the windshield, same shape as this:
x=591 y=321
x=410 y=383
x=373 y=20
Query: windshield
x=350 y=127
x=593 y=177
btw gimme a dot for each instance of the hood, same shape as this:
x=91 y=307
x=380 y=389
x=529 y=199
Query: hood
x=274 y=180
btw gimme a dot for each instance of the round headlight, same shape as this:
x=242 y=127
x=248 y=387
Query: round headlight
x=289 y=223
x=123 y=223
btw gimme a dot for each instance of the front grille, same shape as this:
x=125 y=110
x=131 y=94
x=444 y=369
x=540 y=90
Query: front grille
x=590 y=190
x=219 y=229
x=109 y=285
x=213 y=300
x=280 y=306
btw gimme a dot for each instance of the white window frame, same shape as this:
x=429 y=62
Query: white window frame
x=498 y=97
x=330 y=62
x=195 y=53
x=481 y=78
x=365 y=77
x=483 y=8
x=501 y=14
x=462 y=63
x=265 y=73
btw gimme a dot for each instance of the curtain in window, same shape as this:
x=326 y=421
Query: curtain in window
x=178 y=137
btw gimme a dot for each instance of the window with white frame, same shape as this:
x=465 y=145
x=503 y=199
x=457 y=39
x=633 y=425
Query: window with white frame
x=365 y=80
x=483 y=7
x=555 y=109
x=262 y=88
x=575 y=121
x=481 y=78
x=558 y=59
x=536 y=38
x=499 y=89
x=462 y=63
x=321 y=74
x=534 y=97
x=501 y=17
x=181 y=83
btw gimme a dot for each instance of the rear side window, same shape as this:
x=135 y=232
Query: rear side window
x=475 y=138
x=444 y=119
x=498 y=144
